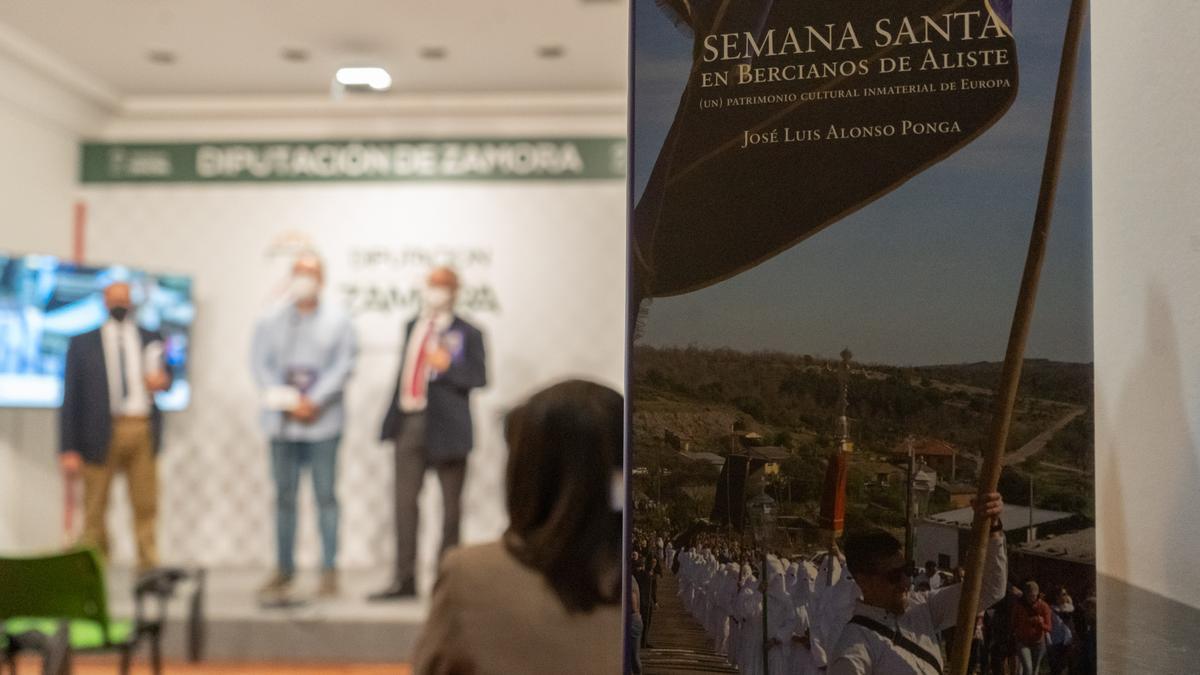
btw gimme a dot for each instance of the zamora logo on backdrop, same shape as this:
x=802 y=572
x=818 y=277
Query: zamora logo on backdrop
x=361 y=298
x=371 y=289
x=356 y=160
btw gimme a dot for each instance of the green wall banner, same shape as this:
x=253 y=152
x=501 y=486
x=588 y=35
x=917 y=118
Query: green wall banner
x=506 y=159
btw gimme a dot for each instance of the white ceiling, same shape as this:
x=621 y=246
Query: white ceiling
x=234 y=47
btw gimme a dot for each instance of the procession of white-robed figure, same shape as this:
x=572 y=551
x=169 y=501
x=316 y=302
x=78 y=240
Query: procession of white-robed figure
x=843 y=612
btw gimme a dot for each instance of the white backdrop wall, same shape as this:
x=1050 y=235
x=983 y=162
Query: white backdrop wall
x=40 y=126
x=543 y=263
x=1147 y=285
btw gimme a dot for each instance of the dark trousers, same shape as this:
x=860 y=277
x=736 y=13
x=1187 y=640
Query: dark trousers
x=1059 y=657
x=976 y=662
x=647 y=619
x=411 y=464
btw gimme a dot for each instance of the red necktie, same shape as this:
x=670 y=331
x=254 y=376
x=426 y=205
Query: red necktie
x=419 y=379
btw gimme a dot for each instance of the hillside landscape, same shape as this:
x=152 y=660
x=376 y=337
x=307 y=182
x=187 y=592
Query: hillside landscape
x=688 y=401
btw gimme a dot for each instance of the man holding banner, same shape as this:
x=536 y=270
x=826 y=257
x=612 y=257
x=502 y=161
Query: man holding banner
x=894 y=631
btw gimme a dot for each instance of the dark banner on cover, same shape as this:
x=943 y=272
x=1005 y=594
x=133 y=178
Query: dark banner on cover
x=799 y=113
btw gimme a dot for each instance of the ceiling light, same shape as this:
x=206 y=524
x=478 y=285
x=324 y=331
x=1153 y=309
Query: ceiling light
x=162 y=57
x=374 y=77
x=294 y=54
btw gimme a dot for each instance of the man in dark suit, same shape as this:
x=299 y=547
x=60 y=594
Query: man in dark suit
x=109 y=422
x=429 y=418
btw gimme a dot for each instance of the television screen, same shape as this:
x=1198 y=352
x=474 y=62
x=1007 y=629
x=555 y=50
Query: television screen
x=45 y=301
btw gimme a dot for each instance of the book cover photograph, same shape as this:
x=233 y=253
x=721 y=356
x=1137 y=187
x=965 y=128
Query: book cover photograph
x=861 y=361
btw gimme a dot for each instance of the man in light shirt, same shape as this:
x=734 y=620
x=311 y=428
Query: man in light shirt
x=894 y=631
x=929 y=578
x=302 y=357
x=429 y=419
x=109 y=423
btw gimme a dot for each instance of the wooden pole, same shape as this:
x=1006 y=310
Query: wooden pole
x=1030 y=537
x=908 y=505
x=766 y=648
x=1010 y=377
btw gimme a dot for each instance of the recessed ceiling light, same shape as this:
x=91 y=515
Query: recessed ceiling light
x=162 y=57
x=551 y=51
x=433 y=53
x=294 y=54
x=374 y=77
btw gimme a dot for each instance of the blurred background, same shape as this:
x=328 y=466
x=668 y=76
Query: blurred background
x=207 y=143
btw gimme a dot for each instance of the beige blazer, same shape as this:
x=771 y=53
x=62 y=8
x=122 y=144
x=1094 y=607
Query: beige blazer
x=492 y=614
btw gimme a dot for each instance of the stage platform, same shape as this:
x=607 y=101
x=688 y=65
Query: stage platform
x=345 y=629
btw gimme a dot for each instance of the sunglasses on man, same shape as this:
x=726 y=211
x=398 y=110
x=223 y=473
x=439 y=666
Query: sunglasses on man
x=898 y=574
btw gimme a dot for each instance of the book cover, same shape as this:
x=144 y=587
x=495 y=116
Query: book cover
x=860 y=295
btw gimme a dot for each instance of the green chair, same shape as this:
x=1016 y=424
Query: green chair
x=55 y=650
x=63 y=596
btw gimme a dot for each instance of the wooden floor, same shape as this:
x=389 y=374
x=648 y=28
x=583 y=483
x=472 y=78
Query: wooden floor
x=106 y=666
x=678 y=644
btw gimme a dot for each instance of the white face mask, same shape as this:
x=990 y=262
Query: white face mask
x=304 y=288
x=438 y=298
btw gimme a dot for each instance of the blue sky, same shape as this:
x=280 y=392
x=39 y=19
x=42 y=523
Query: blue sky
x=925 y=275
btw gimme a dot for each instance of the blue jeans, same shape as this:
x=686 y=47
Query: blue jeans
x=1030 y=658
x=287 y=458
x=633 y=643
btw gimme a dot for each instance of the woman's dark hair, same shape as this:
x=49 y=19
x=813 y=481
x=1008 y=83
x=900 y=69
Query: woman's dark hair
x=565 y=443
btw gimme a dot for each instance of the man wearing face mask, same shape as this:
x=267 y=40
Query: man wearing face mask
x=302 y=356
x=429 y=418
x=109 y=423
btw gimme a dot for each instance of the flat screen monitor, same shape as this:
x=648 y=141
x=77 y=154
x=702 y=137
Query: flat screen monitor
x=45 y=301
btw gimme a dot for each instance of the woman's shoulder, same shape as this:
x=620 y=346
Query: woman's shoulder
x=479 y=559
x=507 y=619
x=477 y=569
x=489 y=575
